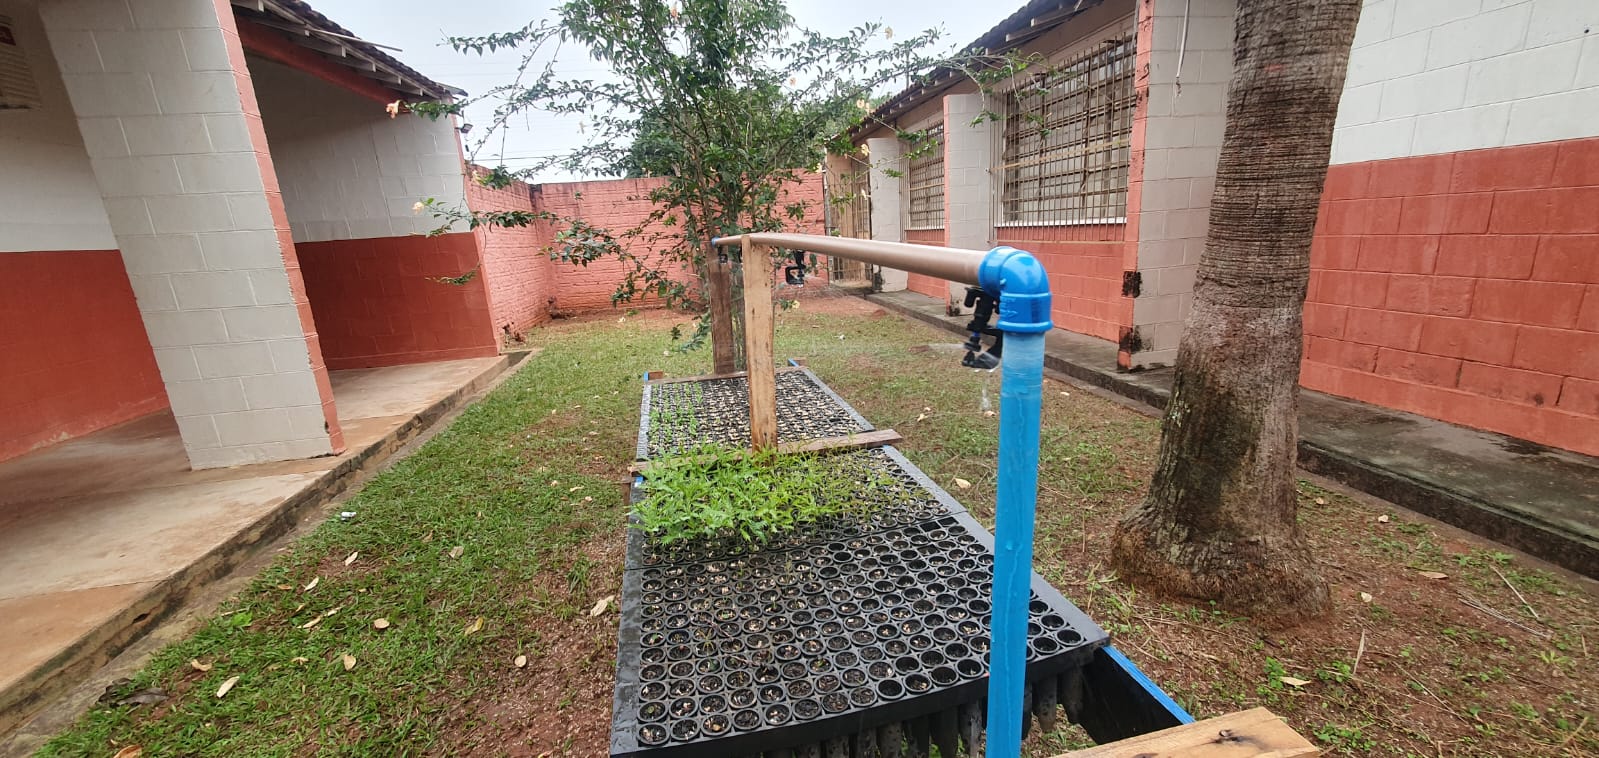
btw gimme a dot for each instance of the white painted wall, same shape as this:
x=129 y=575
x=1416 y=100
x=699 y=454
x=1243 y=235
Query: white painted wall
x=1182 y=140
x=347 y=170
x=48 y=197
x=1437 y=76
x=969 y=157
x=886 y=180
x=184 y=187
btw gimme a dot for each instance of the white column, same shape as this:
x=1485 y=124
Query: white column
x=173 y=133
x=887 y=157
x=968 y=181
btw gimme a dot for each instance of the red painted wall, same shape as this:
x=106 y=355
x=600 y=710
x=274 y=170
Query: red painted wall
x=74 y=357
x=516 y=270
x=1085 y=274
x=376 y=301
x=1464 y=287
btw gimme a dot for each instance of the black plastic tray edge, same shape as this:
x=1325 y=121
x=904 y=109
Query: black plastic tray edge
x=642 y=453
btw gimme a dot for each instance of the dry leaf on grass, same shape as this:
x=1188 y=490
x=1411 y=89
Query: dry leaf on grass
x=227 y=685
x=313 y=584
x=426 y=538
x=312 y=622
x=962 y=483
x=455 y=552
x=989 y=414
x=1383 y=519
x=1434 y=574
x=600 y=606
x=349 y=661
x=352 y=557
x=1365 y=597
x=1321 y=501
x=921 y=417
x=131 y=751
x=521 y=661
x=299 y=659
x=477 y=626
x=1294 y=681
x=380 y=623
x=285 y=586
x=195 y=664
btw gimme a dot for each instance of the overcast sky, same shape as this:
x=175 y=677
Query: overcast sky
x=419 y=27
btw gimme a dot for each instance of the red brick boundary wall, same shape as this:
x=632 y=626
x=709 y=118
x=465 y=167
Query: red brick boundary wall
x=518 y=273
x=378 y=302
x=1465 y=287
x=73 y=347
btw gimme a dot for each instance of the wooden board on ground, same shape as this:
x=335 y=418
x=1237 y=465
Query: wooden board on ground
x=758 y=334
x=826 y=444
x=663 y=379
x=1256 y=732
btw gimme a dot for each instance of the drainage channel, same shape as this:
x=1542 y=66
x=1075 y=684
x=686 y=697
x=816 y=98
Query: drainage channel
x=858 y=636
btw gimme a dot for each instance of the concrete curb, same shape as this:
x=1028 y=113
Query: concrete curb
x=25 y=697
x=1522 y=528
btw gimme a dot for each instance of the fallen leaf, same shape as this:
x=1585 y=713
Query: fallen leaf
x=227 y=685
x=313 y=584
x=426 y=538
x=131 y=751
x=1365 y=597
x=195 y=664
x=455 y=552
x=1434 y=574
x=521 y=661
x=311 y=623
x=299 y=659
x=921 y=417
x=601 y=606
x=352 y=557
x=1383 y=519
x=1321 y=501
x=477 y=626
x=349 y=661
x=380 y=623
x=1294 y=681
x=1065 y=394
x=989 y=414
x=574 y=489
x=927 y=407
x=588 y=498
x=962 y=483
x=555 y=482
x=285 y=586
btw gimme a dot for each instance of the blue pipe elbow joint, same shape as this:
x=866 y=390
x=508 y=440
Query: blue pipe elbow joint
x=1022 y=286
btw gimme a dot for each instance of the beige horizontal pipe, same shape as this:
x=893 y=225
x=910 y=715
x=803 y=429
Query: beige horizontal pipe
x=954 y=264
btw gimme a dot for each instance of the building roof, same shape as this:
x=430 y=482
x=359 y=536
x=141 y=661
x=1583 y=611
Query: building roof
x=304 y=26
x=1030 y=21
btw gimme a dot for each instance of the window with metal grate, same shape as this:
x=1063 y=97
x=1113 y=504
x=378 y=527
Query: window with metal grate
x=1067 y=141
x=925 y=179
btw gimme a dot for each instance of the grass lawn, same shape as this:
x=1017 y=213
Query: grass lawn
x=494 y=544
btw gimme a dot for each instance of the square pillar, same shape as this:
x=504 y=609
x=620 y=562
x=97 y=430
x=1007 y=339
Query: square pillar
x=168 y=115
x=887 y=179
x=968 y=183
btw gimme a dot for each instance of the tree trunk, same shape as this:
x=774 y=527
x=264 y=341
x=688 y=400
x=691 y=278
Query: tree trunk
x=1220 y=520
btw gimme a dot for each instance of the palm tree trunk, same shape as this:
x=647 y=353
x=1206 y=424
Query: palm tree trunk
x=1220 y=520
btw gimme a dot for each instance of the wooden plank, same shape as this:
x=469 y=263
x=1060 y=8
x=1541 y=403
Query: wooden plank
x=876 y=438
x=708 y=377
x=758 y=335
x=721 y=292
x=1245 y=734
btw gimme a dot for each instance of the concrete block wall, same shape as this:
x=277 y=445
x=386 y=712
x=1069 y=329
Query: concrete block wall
x=348 y=170
x=1455 y=271
x=1183 y=125
x=887 y=158
x=175 y=140
x=969 y=161
x=1436 y=77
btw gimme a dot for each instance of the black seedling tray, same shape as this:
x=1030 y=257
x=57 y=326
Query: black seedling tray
x=678 y=416
x=842 y=634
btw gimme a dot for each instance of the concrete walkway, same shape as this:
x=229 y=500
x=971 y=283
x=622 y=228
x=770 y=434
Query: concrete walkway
x=102 y=536
x=1530 y=497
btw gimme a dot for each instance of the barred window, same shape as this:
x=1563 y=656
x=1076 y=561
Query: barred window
x=926 y=179
x=1067 y=141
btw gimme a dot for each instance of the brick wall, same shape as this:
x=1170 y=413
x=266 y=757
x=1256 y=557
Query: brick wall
x=72 y=349
x=518 y=273
x=927 y=285
x=377 y=302
x=1085 y=274
x=1465 y=287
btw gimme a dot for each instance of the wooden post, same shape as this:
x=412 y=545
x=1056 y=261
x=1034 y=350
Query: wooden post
x=721 y=281
x=758 y=333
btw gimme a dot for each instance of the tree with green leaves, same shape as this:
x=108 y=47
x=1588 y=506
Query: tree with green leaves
x=727 y=101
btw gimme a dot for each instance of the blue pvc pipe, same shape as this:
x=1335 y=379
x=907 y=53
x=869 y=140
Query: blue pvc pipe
x=1023 y=290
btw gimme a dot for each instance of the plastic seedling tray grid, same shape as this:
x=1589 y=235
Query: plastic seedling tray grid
x=679 y=416
x=837 y=633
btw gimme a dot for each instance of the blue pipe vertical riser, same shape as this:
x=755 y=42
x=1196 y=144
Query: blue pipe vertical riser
x=1022 y=286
